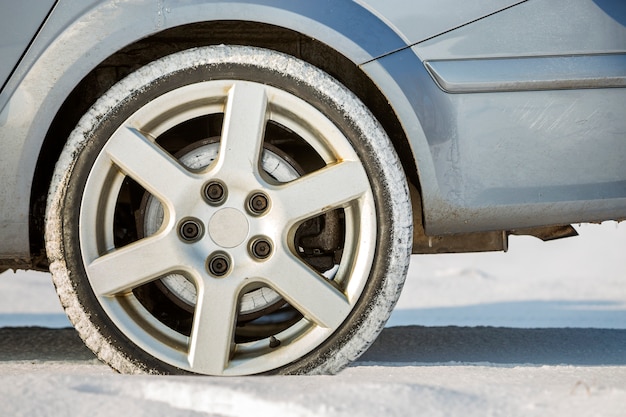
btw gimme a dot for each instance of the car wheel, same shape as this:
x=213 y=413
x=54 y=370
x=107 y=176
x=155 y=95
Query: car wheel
x=228 y=211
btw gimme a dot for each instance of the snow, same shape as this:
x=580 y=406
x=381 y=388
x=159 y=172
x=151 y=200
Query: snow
x=575 y=282
x=540 y=330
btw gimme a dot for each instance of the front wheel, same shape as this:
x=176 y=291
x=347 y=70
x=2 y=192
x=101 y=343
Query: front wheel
x=228 y=211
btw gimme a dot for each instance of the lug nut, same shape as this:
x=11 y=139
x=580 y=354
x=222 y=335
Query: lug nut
x=214 y=192
x=219 y=265
x=190 y=230
x=261 y=248
x=258 y=203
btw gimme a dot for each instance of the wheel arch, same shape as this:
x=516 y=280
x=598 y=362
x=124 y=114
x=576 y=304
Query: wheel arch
x=125 y=60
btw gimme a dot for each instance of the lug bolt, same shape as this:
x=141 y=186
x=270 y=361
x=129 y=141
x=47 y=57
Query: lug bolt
x=214 y=192
x=258 y=203
x=261 y=248
x=219 y=265
x=190 y=230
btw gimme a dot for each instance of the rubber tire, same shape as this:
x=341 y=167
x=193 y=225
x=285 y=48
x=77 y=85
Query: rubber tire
x=394 y=238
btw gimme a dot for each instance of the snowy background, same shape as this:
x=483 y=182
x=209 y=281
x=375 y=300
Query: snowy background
x=539 y=330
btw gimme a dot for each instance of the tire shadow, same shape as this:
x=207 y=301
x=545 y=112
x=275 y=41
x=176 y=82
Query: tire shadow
x=396 y=346
x=399 y=346
x=42 y=344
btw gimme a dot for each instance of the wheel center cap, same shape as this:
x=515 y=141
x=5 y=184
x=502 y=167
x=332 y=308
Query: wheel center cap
x=229 y=228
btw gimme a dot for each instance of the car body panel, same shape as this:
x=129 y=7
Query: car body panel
x=536 y=28
x=566 y=72
x=546 y=147
x=464 y=188
x=17 y=29
x=427 y=18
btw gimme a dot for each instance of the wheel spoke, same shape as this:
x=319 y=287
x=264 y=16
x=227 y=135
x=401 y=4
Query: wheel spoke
x=148 y=164
x=310 y=293
x=213 y=325
x=323 y=190
x=127 y=268
x=244 y=127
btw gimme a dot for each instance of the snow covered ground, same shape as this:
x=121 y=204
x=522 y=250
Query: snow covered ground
x=540 y=330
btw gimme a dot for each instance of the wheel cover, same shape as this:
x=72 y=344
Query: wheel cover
x=115 y=272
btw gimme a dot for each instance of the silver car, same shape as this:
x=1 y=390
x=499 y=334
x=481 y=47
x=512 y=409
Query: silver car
x=235 y=187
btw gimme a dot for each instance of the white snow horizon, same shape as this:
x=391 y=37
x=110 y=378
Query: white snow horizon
x=534 y=331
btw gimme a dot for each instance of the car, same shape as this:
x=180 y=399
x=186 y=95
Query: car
x=236 y=187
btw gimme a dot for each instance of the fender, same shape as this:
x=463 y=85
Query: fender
x=80 y=35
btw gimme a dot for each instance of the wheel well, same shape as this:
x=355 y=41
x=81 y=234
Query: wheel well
x=140 y=53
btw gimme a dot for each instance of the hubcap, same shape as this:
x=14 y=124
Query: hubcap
x=228 y=228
